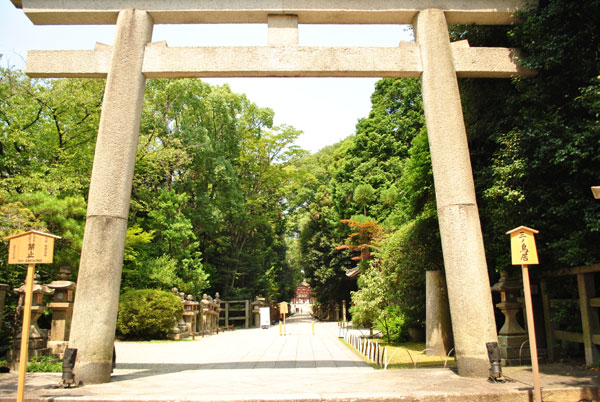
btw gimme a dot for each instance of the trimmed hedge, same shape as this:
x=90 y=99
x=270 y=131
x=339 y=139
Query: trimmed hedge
x=147 y=314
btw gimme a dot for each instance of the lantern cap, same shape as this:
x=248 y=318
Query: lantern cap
x=525 y=228
x=37 y=232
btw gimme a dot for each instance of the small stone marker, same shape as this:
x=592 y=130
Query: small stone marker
x=28 y=248
x=524 y=253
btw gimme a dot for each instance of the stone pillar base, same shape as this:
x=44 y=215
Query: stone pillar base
x=93 y=372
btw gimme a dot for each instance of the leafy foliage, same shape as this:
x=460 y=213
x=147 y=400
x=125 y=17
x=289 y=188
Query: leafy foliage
x=367 y=236
x=535 y=143
x=44 y=364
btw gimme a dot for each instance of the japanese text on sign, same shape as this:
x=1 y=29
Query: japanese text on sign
x=31 y=248
x=523 y=247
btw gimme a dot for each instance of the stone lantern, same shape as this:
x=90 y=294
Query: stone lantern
x=256 y=305
x=511 y=337
x=38 y=338
x=62 y=311
x=179 y=331
x=218 y=311
x=190 y=313
x=211 y=315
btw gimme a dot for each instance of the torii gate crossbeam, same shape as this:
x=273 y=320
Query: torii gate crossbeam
x=132 y=58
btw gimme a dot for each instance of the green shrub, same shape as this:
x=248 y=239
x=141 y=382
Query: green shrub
x=393 y=325
x=44 y=364
x=147 y=314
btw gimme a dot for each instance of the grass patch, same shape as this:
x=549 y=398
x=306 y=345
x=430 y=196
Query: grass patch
x=405 y=355
x=37 y=364
x=158 y=340
x=44 y=364
x=357 y=353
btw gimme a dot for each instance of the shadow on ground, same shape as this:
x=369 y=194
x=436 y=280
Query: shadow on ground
x=150 y=369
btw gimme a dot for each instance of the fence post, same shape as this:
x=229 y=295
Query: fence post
x=547 y=320
x=589 y=317
x=385 y=358
x=247 y=306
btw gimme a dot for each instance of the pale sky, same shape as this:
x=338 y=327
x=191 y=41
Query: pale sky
x=325 y=109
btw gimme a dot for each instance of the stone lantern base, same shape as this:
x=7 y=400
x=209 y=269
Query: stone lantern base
x=514 y=349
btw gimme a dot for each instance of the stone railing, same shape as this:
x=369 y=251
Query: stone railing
x=330 y=312
x=199 y=317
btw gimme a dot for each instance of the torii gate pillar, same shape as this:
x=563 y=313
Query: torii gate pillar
x=469 y=293
x=99 y=279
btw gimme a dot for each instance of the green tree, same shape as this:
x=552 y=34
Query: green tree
x=48 y=133
x=534 y=145
x=376 y=153
x=219 y=150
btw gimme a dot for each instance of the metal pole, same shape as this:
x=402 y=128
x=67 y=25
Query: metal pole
x=531 y=331
x=25 y=332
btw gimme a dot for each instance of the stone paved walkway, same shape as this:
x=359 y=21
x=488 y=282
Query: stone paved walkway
x=245 y=349
x=260 y=365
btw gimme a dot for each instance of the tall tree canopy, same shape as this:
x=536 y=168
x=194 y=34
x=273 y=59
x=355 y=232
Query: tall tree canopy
x=210 y=198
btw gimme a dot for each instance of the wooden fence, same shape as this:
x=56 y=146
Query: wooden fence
x=233 y=308
x=372 y=351
x=588 y=306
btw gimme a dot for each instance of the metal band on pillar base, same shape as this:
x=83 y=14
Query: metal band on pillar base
x=99 y=280
x=462 y=242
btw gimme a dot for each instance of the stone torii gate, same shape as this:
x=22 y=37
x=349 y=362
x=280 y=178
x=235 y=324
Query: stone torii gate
x=133 y=58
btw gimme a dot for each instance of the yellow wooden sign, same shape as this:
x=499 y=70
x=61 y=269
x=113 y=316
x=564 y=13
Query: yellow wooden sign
x=522 y=244
x=31 y=247
x=283 y=308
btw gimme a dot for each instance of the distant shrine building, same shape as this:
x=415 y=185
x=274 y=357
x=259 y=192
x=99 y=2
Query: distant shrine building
x=303 y=300
x=302 y=295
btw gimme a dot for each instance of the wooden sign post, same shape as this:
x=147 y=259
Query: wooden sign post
x=29 y=248
x=524 y=253
x=283 y=310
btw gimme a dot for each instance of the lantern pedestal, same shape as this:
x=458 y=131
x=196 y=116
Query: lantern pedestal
x=512 y=338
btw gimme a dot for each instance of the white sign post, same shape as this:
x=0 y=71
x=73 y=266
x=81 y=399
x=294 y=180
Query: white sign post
x=265 y=317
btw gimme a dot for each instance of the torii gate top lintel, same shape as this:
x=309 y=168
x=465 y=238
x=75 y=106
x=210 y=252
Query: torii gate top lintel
x=89 y=12
x=282 y=18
